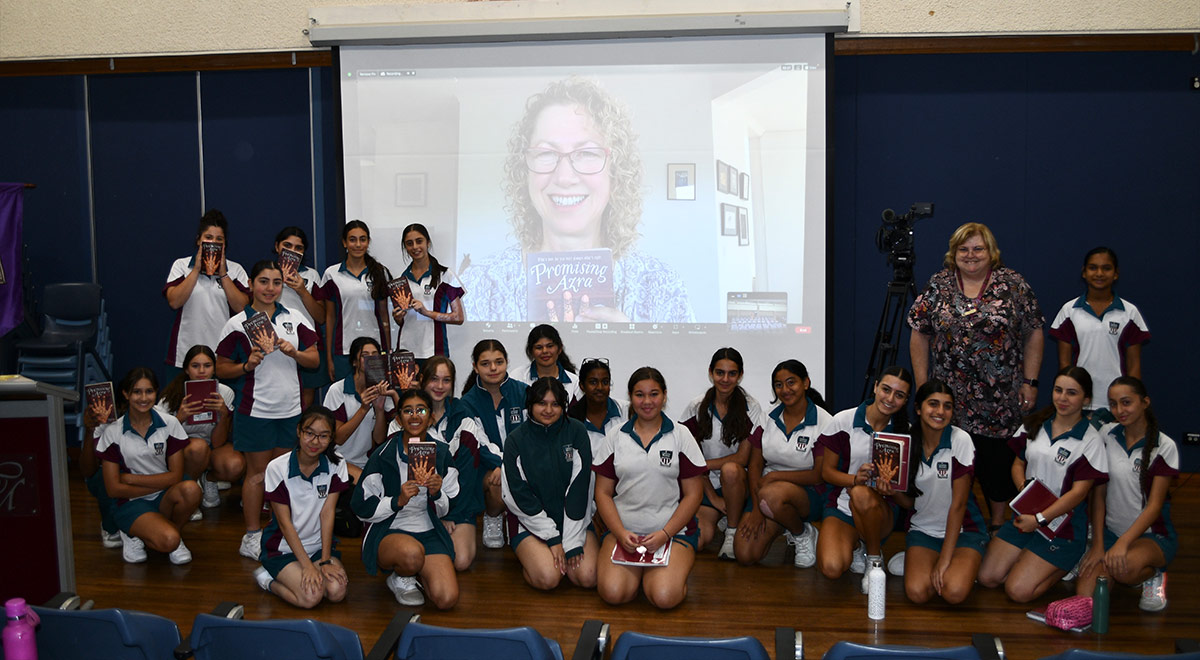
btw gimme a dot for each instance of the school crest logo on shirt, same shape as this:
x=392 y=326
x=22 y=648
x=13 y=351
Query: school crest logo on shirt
x=1063 y=455
x=1137 y=465
x=287 y=327
x=1113 y=327
x=428 y=288
x=322 y=490
x=568 y=453
x=664 y=457
x=159 y=447
x=943 y=469
x=802 y=442
x=514 y=416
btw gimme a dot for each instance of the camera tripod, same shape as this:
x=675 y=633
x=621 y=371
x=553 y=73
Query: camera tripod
x=900 y=292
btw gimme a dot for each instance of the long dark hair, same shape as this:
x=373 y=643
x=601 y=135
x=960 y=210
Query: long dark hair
x=1151 y=441
x=644 y=373
x=900 y=423
x=172 y=394
x=436 y=269
x=356 y=347
x=1034 y=420
x=797 y=367
x=314 y=412
x=915 y=451
x=578 y=407
x=737 y=424
x=135 y=374
x=378 y=273
x=544 y=331
x=482 y=346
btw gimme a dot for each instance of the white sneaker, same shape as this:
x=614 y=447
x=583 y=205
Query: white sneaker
x=180 y=555
x=806 y=547
x=726 y=551
x=858 y=562
x=224 y=485
x=110 y=540
x=196 y=515
x=212 y=495
x=133 y=549
x=1154 y=593
x=251 y=545
x=1074 y=572
x=263 y=579
x=895 y=565
x=493 y=532
x=406 y=589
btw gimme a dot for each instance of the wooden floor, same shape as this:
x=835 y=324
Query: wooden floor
x=724 y=599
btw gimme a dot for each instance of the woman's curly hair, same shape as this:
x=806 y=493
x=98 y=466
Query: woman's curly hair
x=610 y=118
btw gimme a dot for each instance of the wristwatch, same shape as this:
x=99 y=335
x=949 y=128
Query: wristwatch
x=1041 y=520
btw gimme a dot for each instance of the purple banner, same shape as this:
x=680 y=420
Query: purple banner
x=12 y=311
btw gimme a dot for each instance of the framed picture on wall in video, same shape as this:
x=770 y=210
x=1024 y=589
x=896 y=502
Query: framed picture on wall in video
x=743 y=225
x=729 y=220
x=722 y=177
x=681 y=181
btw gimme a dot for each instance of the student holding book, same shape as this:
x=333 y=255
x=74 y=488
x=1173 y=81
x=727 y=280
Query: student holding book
x=404 y=491
x=547 y=357
x=204 y=290
x=660 y=469
x=209 y=454
x=100 y=413
x=262 y=348
x=497 y=403
x=431 y=300
x=858 y=517
x=724 y=420
x=301 y=287
x=142 y=463
x=300 y=562
x=786 y=488
x=1060 y=452
x=1133 y=508
x=946 y=536
x=547 y=485
x=361 y=407
x=355 y=294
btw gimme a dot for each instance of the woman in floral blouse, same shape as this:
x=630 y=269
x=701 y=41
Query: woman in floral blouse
x=979 y=328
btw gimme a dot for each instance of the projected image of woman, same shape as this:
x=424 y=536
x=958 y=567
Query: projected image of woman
x=574 y=182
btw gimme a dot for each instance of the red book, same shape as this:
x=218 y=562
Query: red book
x=1034 y=498
x=289 y=262
x=211 y=254
x=660 y=557
x=422 y=459
x=101 y=398
x=403 y=372
x=199 y=390
x=261 y=332
x=889 y=454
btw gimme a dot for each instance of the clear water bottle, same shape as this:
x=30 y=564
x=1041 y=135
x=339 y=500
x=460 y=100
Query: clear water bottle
x=19 y=641
x=876 y=590
x=1100 y=605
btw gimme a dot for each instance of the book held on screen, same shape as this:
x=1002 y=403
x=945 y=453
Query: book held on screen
x=562 y=286
x=890 y=454
x=198 y=391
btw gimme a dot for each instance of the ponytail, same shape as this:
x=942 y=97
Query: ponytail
x=1150 y=443
x=737 y=424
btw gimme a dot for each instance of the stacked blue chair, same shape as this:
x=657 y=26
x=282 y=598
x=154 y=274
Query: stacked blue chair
x=1185 y=649
x=110 y=634
x=223 y=638
x=982 y=647
x=640 y=646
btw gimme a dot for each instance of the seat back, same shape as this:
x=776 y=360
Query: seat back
x=853 y=651
x=1083 y=654
x=115 y=634
x=72 y=301
x=421 y=641
x=219 y=638
x=640 y=646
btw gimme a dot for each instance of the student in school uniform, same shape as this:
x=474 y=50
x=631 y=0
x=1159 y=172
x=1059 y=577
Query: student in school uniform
x=1100 y=331
x=497 y=403
x=858 y=518
x=786 y=487
x=355 y=296
x=547 y=486
x=547 y=357
x=208 y=440
x=300 y=561
x=659 y=469
x=361 y=408
x=267 y=405
x=724 y=420
x=1133 y=507
x=203 y=303
x=89 y=466
x=946 y=536
x=301 y=288
x=595 y=408
x=142 y=464
x=1058 y=447
x=406 y=536
x=420 y=322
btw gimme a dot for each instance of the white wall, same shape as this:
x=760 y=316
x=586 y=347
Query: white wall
x=49 y=29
